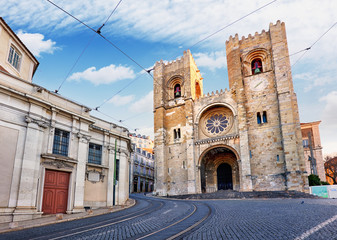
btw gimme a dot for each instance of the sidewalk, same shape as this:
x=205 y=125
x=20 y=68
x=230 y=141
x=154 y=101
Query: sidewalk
x=57 y=218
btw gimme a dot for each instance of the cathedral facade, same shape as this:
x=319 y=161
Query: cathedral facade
x=247 y=138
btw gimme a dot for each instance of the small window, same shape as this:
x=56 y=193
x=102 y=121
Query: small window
x=197 y=90
x=176 y=133
x=61 y=142
x=258 y=116
x=14 y=57
x=177 y=91
x=305 y=143
x=95 y=154
x=257 y=66
x=264 y=117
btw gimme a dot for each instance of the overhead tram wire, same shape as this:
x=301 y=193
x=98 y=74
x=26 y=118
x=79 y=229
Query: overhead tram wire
x=119 y=91
x=230 y=24
x=304 y=52
x=75 y=63
x=284 y=75
x=98 y=31
x=85 y=48
x=314 y=43
x=200 y=42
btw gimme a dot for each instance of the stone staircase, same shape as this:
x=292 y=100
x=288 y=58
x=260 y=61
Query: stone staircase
x=230 y=194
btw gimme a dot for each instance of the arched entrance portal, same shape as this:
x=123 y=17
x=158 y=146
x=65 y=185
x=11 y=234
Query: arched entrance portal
x=224 y=177
x=219 y=169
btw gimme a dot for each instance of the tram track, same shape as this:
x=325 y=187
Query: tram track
x=187 y=229
x=150 y=218
x=106 y=223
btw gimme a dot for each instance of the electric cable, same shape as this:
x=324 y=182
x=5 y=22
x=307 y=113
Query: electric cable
x=75 y=63
x=119 y=91
x=284 y=75
x=99 y=33
x=85 y=48
x=230 y=24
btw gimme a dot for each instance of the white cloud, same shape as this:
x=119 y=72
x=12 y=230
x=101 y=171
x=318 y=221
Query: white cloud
x=119 y=100
x=145 y=104
x=314 y=79
x=212 y=60
x=36 y=44
x=329 y=112
x=105 y=75
x=329 y=122
x=147 y=131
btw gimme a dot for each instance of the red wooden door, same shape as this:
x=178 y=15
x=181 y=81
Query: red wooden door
x=55 y=193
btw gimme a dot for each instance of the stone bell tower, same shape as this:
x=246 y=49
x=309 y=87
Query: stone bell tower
x=260 y=75
x=176 y=85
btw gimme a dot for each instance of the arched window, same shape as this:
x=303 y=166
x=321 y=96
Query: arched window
x=258 y=115
x=197 y=90
x=177 y=91
x=257 y=66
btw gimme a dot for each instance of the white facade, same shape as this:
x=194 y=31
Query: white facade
x=42 y=132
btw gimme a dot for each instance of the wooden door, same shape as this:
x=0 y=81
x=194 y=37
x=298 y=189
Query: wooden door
x=55 y=193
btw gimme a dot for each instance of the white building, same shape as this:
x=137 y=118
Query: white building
x=55 y=157
x=142 y=164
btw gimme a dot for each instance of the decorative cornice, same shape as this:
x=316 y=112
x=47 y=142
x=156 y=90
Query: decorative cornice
x=216 y=139
x=58 y=158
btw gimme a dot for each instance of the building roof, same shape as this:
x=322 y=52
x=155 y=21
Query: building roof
x=23 y=45
x=149 y=150
x=310 y=124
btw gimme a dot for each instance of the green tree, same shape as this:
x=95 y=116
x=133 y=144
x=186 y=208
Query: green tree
x=314 y=180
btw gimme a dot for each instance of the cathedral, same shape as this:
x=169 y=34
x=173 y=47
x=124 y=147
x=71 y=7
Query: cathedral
x=247 y=138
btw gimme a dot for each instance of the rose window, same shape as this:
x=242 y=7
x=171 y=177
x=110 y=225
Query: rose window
x=217 y=123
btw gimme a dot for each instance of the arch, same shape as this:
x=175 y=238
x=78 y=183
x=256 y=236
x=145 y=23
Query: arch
x=259 y=53
x=176 y=79
x=217 y=146
x=172 y=83
x=206 y=108
x=219 y=169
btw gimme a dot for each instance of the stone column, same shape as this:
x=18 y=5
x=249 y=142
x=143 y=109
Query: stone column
x=80 y=172
x=28 y=186
x=110 y=177
x=123 y=182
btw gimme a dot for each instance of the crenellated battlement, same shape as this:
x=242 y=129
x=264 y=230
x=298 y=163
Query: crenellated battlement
x=221 y=93
x=234 y=41
x=179 y=62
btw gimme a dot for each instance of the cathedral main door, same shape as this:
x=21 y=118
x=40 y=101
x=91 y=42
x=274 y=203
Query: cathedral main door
x=224 y=176
x=219 y=170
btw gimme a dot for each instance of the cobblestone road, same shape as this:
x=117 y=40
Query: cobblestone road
x=219 y=219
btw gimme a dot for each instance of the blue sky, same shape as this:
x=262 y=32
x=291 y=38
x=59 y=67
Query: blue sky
x=151 y=30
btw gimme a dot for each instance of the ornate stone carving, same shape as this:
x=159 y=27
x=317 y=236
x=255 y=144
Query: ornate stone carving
x=94 y=176
x=40 y=123
x=58 y=164
x=216 y=122
x=83 y=137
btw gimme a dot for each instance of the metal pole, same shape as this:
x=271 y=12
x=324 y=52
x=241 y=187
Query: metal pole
x=114 y=185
